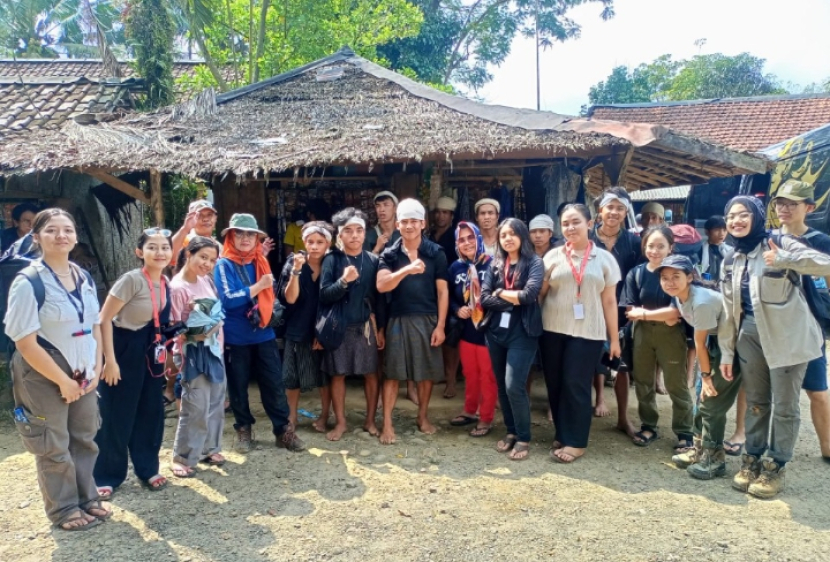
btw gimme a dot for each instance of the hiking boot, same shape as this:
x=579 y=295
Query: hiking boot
x=690 y=457
x=244 y=440
x=289 y=440
x=770 y=482
x=712 y=464
x=750 y=469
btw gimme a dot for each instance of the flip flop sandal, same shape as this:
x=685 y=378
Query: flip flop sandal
x=97 y=505
x=94 y=523
x=734 y=449
x=643 y=440
x=560 y=460
x=518 y=449
x=481 y=431
x=212 y=461
x=463 y=419
x=183 y=472
x=105 y=493
x=683 y=446
x=149 y=484
x=509 y=443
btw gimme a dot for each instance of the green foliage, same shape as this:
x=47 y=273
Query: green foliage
x=48 y=28
x=150 y=32
x=460 y=40
x=177 y=193
x=701 y=77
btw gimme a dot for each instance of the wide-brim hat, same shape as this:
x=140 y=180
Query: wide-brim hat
x=245 y=222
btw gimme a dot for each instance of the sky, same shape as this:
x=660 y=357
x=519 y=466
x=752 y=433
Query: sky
x=793 y=36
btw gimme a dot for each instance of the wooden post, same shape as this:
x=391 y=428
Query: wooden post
x=435 y=184
x=156 y=202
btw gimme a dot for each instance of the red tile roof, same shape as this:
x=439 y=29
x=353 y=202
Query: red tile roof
x=748 y=124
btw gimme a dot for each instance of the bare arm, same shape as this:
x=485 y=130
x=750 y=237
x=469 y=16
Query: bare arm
x=292 y=288
x=388 y=281
x=702 y=351
x=112 y=306
x=609 y=311
x=665 y=314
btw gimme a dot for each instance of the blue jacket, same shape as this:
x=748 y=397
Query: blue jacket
x=236 y=300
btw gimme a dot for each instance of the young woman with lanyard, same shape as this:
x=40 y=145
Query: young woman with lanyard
x=510 y=292
x=466 y=277
x=300 y=291
x=579 y=313
x=132 y=412
x=55 y=371
x=202 y=416
x=657 y=344
x=768 y=324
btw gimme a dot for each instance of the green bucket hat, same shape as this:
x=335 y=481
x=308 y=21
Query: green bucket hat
x=796 y=190
x=244 y=221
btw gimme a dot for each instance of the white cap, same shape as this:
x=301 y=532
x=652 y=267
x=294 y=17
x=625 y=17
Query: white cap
x=445 y=204
x=411 y=209
x=388 y=194
x=541 y=221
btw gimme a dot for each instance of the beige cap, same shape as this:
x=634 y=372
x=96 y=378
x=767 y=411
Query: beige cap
x=446 y=204
x=487 y=201
x=388 y=194
x=653 y=207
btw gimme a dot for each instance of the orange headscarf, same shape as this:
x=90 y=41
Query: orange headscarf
x=266 y=297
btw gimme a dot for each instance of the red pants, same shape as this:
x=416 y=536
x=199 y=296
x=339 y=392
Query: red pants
x=480 y=392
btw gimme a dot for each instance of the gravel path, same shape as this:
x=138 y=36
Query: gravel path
x=445 y=497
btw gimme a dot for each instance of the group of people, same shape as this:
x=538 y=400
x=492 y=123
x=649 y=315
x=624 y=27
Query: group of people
x=399 y=303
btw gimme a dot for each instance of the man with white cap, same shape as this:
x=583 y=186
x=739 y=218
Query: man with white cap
x=653 y=214
x=384 y=234
x=487 y=219
x=414 y=272
x=541 y=229
x=610 y=234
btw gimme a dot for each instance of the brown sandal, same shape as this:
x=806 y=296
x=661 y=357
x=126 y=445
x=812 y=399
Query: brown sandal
x=520 y=452
x=506 y=445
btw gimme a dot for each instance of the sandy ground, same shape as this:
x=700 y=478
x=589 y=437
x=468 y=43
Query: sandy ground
x=433 y=498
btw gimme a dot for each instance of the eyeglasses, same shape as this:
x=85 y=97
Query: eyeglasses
x=245 y=233
x=786 y=204
x=739 y=216
x=465 y=239
x=156 y=230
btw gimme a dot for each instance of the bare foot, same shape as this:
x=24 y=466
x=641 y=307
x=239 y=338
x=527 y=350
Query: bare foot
x=413 y=397
x=737 y=438
x=550 y=416
x=661 y=389
x=388 y=436
x=601 y=410
x=320 y=425
x=627 y=428
x=450 y=391
x=371 y=429
x=336 y=433
x=425 y=427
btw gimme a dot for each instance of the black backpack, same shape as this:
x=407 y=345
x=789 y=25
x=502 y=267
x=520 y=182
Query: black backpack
x=817 y=299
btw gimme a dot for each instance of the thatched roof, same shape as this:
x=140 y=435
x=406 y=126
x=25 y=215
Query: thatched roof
x=346 y=110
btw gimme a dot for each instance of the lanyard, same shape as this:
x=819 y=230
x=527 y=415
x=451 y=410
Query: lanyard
x=156 y=321
x=578 y=275
x=510 y=281
x=78 y=308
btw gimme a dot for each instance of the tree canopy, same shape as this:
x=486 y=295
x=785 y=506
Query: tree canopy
x=701 y=77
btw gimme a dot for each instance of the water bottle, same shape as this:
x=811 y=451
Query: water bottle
x=20 y=415
x=820 y=283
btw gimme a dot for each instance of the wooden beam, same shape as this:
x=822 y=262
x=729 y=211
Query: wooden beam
x=638 y=175
x=742 y=162
x=663 y=159
x=115 y=183
x=156 y=202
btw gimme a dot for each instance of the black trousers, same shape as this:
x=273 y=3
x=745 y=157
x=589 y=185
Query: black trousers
x=569 y=372
x=132 y=412
x=261 y=360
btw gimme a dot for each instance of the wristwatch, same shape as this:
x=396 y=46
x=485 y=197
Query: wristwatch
x=296 y=273
x=705 y=375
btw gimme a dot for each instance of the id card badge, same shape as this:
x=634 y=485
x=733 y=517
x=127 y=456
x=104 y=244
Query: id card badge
x=505 y=320
x=579 y=311
x=160 y=354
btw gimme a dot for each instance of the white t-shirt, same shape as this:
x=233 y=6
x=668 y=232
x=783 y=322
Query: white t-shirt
x=601 y=271
x=57 y=319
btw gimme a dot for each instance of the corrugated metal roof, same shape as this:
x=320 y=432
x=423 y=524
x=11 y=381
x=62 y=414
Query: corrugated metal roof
x=677 y=193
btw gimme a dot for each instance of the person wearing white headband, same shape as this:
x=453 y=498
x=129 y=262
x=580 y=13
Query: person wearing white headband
x=610 y=234
x=300 y=291
x=541 y=229
x=414 y=272
x=349 y=276
x=384 y=234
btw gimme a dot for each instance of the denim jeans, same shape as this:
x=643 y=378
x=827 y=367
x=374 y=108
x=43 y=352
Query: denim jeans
x=511 y=357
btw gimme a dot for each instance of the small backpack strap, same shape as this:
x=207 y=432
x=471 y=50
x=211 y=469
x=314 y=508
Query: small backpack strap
x=31 y=274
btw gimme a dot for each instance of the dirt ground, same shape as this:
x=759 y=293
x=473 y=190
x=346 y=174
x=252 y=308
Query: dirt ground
x=444 y=497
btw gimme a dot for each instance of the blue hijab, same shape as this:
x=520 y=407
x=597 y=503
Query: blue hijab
x=472 y=287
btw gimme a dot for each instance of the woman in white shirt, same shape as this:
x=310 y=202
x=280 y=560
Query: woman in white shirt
x=55 y=371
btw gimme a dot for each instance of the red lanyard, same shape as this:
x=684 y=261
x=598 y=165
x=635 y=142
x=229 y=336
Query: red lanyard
x=510 y=281
x=578 y=275
x=156 y=321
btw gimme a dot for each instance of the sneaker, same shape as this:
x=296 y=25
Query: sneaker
x=289 y=440
x=690 y=457
x=244 y=440
x=712 y=464
x=750 y=469
x=770 y=482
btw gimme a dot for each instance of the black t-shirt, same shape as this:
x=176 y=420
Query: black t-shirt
x=447 y=243
x=415 y=294
x=361 y=294
x=626 y=251
x=642 y=288
x=813 y=285
x=301 y=316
